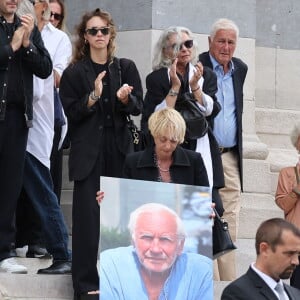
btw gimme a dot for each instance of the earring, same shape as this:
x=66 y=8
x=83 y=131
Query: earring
x=85 y=41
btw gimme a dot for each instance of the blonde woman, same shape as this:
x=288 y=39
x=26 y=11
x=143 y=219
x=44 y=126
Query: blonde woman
x=166 y=161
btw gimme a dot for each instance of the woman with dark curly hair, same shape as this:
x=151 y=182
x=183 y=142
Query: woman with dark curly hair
x=98 y=91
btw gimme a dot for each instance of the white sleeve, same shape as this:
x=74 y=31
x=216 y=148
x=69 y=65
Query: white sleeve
x=62 y=54
x=161 y=105
x=208 y=104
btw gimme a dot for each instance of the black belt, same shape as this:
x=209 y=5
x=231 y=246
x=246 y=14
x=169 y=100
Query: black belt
x=228 y=149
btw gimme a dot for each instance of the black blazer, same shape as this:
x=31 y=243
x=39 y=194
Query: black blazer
x=86 y=124
x=251 y=286
x=238 y=77
x=158 y=87
x=187 y=167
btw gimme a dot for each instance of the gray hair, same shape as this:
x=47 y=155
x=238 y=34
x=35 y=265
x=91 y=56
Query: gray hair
x=223 y=24
x=295 y=134
x=26 y=8
x=152 y=208
x=159 y=59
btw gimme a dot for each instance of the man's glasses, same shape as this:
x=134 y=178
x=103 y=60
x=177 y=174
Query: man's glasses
x=94 y=30
x=57 y=17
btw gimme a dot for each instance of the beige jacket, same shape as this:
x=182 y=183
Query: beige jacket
x=285 y=198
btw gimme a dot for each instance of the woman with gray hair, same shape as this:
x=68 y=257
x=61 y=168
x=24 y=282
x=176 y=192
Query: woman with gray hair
x=288 y=194
x=175 y=73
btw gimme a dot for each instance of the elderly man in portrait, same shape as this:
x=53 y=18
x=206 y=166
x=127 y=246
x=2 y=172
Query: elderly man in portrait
x=155 y=267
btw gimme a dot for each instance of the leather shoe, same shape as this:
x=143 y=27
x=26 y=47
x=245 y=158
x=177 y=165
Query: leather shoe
x=36 y=251
x=57 y=267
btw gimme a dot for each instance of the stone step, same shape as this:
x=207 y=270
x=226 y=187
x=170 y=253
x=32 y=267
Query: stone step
x=255 y=208
x=245 y=255
x=32 y=286
x=219 y=286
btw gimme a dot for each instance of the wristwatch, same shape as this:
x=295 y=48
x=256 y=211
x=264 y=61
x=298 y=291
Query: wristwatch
x=173 y=93
x=94 y=97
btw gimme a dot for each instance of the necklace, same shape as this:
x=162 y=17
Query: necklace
x=161 y=169
x=156 y=160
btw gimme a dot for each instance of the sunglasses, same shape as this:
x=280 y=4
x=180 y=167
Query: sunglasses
x=34 y=2
x=94 y=30
x=187 y=44
x=57 y=17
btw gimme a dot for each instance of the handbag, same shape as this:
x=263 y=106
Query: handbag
x=138 y=138
x=195 y=120
x=222 y=242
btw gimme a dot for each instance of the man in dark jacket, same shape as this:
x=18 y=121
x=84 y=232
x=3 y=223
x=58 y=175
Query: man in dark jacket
x=277 y=246
x=22 y=55
x=227 y=126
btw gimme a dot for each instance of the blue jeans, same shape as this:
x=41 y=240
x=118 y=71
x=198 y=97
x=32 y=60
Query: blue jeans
x=39 y=188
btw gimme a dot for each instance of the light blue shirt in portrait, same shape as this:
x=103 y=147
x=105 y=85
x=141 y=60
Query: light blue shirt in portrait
x=190 y=278
x=225 y=127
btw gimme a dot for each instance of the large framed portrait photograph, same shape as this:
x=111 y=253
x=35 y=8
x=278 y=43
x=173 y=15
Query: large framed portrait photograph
x=155 y=241
x=122 y=196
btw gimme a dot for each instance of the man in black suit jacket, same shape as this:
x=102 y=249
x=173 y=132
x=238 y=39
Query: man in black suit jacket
x=277 y=247
x=227 y=127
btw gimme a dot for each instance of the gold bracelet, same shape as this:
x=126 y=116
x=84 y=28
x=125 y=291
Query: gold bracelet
x=195 y=90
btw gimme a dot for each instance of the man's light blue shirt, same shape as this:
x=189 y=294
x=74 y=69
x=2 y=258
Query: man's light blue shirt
x=191 y=277
x=225 y=127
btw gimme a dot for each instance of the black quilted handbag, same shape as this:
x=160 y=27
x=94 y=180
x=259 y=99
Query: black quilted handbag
x=195 y=120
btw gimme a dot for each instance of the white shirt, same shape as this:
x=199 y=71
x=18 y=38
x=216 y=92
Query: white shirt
x=40 y=136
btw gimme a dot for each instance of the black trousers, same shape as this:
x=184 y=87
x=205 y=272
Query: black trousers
x=56 y=160
x=86 y=216
x=13 y=140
